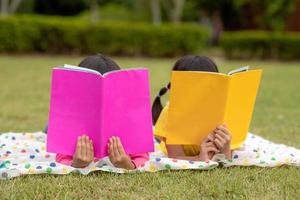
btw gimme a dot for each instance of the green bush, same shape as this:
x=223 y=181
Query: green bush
x=65 y=35
x=261 y=44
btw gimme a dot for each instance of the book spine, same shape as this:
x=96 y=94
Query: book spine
x=227 y=99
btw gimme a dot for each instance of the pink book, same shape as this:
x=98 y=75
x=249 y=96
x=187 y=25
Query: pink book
x=84 y=102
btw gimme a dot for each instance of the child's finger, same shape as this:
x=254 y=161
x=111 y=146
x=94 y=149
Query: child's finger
x=115 y=147
x=89 y=149
x=218 y=143
x=223 y=129
x=120 y=147
x=220 y=136
x=83 y=148
x=210 y=137
x=78 y=147
x=87 y=144
x=223 y=135
x=111 y=148
x=92 y=148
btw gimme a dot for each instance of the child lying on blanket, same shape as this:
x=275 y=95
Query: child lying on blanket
x=218 y=141
x=84 y=153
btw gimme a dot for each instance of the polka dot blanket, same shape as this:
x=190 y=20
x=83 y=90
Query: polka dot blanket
x=25 y=153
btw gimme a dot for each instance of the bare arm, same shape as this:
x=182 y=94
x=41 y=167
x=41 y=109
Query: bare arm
x=176 y=151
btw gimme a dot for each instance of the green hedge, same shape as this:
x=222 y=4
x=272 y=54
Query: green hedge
x=261 y=44
x=67 y=35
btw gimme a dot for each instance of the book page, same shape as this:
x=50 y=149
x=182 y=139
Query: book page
x=242 y=69
x=75 y=110
x=197 y=105
x=241 y=101
x=127 y=110
x=84 y=69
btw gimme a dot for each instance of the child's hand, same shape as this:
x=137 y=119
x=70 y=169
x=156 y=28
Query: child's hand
x=207 y=148
x=84 y=154
x=222 y=139
x=117 y=154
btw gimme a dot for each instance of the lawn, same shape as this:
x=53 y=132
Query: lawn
x=24 y=100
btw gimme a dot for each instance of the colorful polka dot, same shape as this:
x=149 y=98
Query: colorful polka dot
x=201 y=166
x=65 y=170
x=48 y=170
x=23 y=151
x=13 y=138
x=157 y=159
x=27 y=165
x=52 y=164
x=152 y=168
x=235 y=157
x=168 y=166
x=39 y=167
x=8 y=152
x=174 y=160
x=191 y=162
x=273 y=158
x=184 y=166
x=36 y=150
x=47 y=156
x=32 y=156
x=4 y=175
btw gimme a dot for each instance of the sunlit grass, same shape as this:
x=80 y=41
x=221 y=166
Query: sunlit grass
x=24 y=100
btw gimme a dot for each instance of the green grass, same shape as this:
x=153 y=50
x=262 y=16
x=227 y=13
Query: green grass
x=24 y=99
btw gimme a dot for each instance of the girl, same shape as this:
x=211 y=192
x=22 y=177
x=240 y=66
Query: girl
x=218 y=141
x=84 y=153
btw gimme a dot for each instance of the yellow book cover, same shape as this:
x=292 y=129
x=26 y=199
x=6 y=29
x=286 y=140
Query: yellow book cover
x=199 y=101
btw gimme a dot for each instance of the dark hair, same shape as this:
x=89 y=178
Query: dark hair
x=186 y=63
x=99 y=63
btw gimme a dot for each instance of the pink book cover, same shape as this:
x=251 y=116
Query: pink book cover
x=84 y=102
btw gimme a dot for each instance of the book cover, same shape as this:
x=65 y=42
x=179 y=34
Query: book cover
x=199 y=101
x=84 y=102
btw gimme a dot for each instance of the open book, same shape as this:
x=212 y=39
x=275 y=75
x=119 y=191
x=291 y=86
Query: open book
x=199 y=101
x=100 y=106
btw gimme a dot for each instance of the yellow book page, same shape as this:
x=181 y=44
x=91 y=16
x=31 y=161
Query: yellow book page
x=241 y=100
x=196 y=107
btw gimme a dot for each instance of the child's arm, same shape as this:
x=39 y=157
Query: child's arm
x=207 y=150
x=64 y=159
x=176 y=152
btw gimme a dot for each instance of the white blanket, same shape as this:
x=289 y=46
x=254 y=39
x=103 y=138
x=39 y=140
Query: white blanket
x=25 y=153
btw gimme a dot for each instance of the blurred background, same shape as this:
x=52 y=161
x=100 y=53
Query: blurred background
x=235 y=29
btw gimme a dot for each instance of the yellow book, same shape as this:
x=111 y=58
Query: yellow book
x=199 y=101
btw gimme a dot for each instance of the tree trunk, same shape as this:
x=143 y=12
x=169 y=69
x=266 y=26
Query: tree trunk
x=14 y=6
x=217 y=28
x=4 y=8
x=94 y=11
x=177 y=11
x=156 y=14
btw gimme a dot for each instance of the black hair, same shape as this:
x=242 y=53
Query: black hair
x=186 y=63
x=100 y=63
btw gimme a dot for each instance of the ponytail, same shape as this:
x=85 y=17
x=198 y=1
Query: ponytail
x=157 y=106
